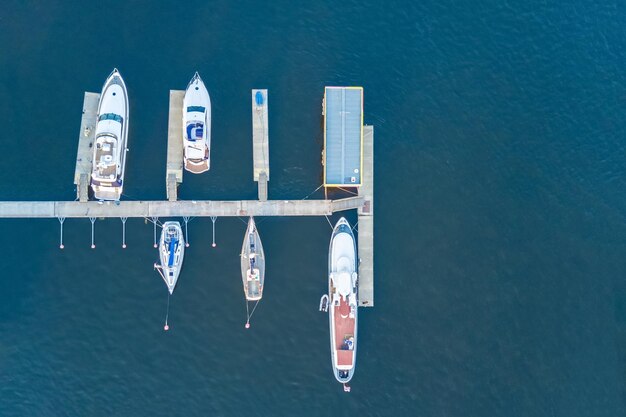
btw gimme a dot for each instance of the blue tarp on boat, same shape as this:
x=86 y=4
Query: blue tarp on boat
x=172 y=250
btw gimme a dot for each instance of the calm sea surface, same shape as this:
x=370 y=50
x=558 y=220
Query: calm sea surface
x=500 y=223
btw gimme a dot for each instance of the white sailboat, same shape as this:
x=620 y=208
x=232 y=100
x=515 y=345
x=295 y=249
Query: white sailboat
x=197 y=126
x=171 y=254
x=342 y=301
x=252 y=267
x=109 y=149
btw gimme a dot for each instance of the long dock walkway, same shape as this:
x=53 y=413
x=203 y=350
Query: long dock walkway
x=174 y=172
x=84 y=154
x=366 y=222
x=204 y=208
x=260 y=142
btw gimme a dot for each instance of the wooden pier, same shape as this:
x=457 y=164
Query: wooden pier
x=84 y=155
x=363 y=202
x=366 y=222
x=260 y=142
x=200 y=208
x=174 y=170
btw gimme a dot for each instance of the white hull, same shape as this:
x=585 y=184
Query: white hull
x=111 y=140
x=197 y=127
x=343 y=303
x=252 y=263
x=171 y=253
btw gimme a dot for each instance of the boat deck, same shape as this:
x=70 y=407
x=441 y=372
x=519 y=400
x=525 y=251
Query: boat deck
x=105 y=172
x=344 y=329
x=197 y=168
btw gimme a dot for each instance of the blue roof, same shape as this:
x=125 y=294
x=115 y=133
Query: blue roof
x=343 y=135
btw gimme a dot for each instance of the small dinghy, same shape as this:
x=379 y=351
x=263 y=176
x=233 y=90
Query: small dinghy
x=171 y=253
x=252 y=267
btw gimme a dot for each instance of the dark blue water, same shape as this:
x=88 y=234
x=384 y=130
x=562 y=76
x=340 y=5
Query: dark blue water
x=500 y=196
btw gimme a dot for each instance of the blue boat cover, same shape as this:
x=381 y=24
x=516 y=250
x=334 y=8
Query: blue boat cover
x=195 y=131
x=195 y=108
x=110 y=116
x=172 y=250
x=258 y=97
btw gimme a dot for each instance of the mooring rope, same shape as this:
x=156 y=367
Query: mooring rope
x=250 y=314
x=329 y=223
x=124 y=231
x=213 y=219
x=61 y=221
x=92 y=220
x=186 y=220
x=167 y=314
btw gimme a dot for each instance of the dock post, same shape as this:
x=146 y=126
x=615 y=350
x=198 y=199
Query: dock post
x=263 y=186
x=213 y=219
x=186 y=220
x=123 y=231
x=61 y=221
x=92 y=220
x=154 y=221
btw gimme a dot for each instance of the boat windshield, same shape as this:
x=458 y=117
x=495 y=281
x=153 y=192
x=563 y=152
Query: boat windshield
x=199 y=109
x=110 y=116
x=195 y=130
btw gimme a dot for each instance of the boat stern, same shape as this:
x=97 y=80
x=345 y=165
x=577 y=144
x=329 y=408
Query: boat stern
x=104 y=193
x=197 y=167
x=344 y=375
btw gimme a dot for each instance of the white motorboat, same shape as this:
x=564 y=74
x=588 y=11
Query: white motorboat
x=109 y=149
x=197 y=127
x=343 y=303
